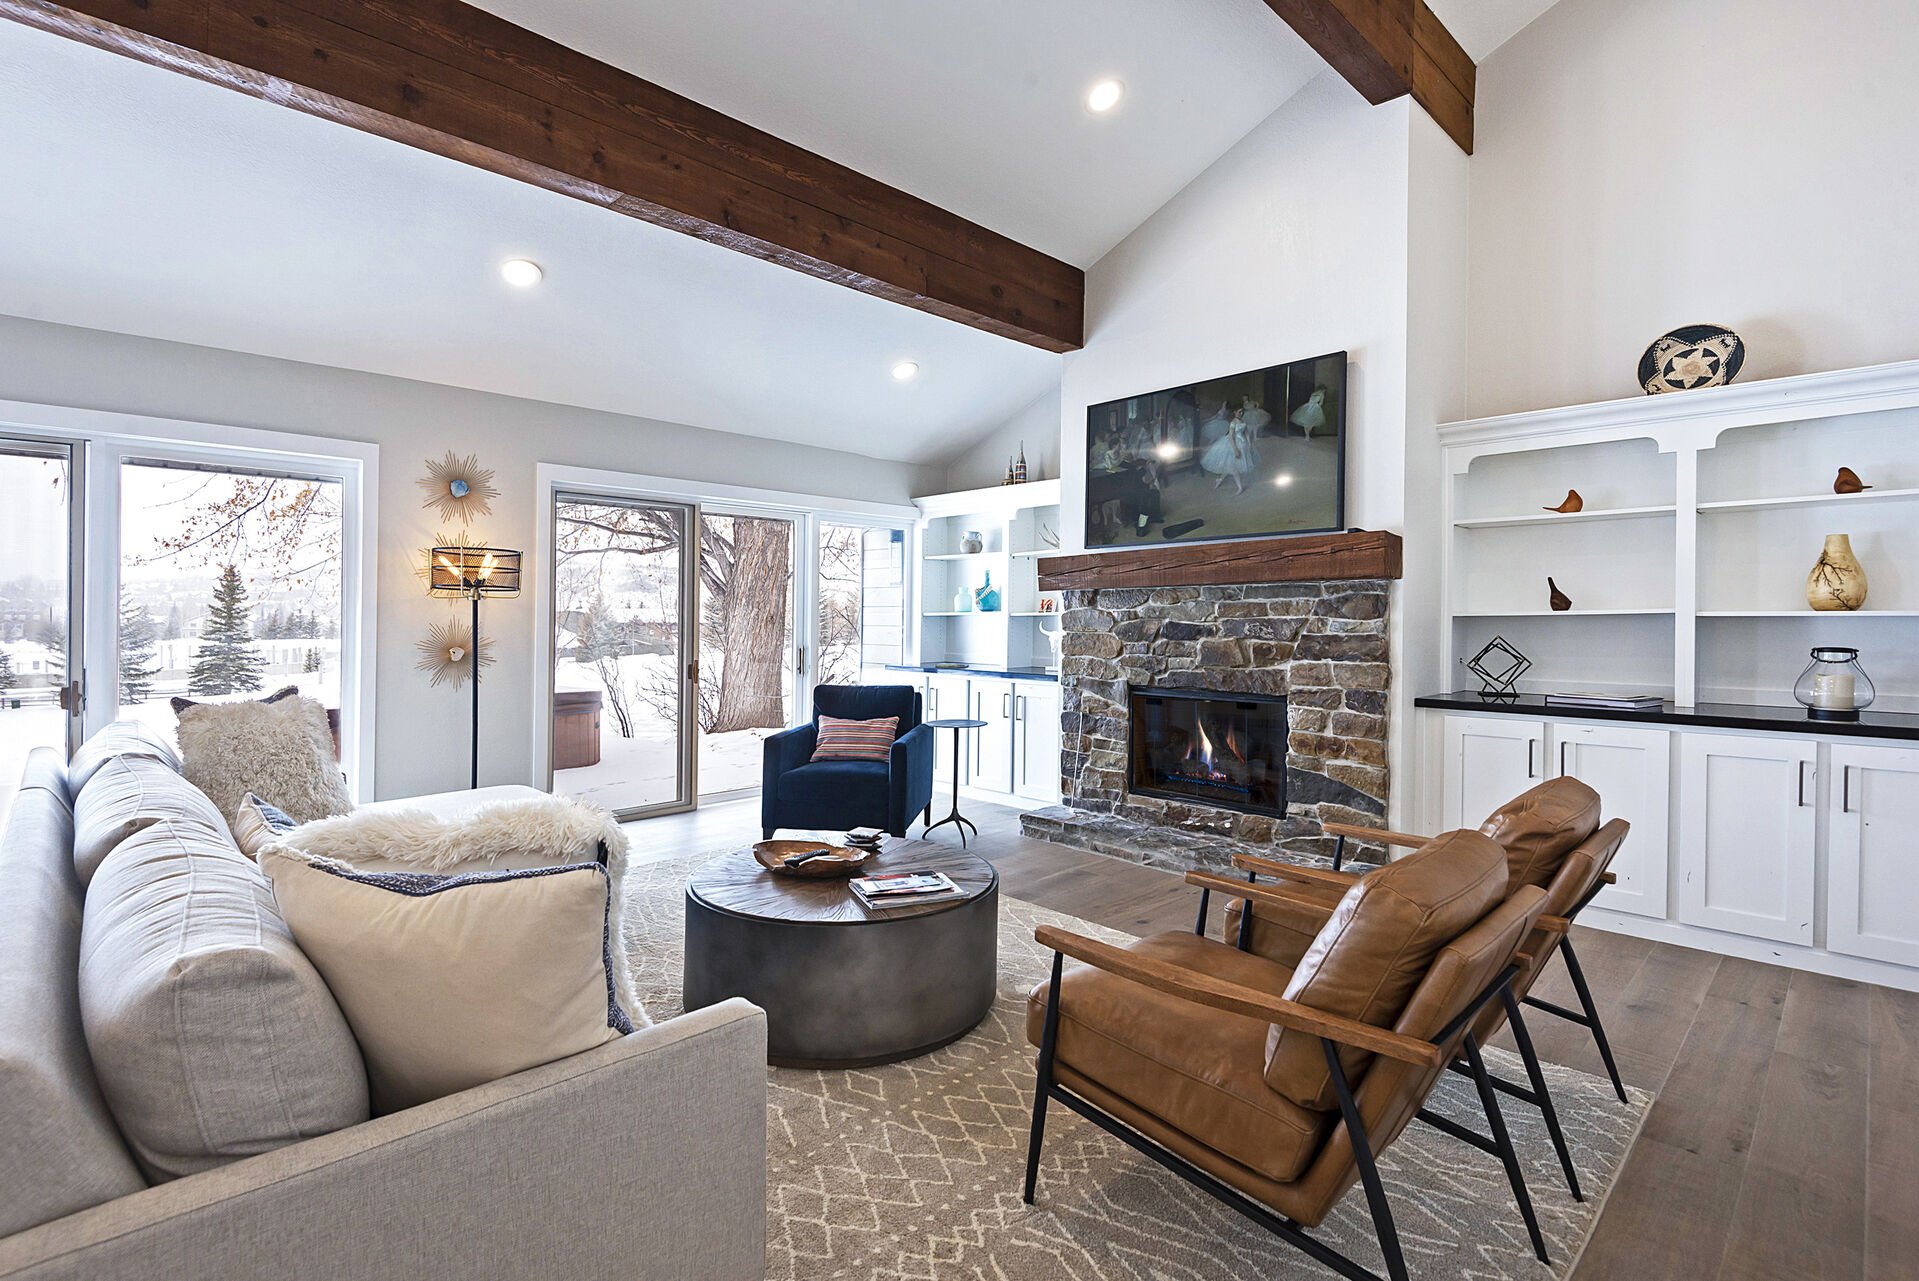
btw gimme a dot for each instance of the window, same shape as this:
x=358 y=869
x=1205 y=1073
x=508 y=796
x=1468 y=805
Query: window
x=862 y=600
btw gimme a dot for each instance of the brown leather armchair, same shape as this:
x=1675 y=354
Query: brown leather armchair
x=1552 y=838
x=1273 y=1086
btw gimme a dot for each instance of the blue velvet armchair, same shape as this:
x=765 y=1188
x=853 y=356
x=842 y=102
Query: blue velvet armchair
x=797 y=791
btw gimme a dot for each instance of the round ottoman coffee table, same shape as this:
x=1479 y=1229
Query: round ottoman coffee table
x=843 y=986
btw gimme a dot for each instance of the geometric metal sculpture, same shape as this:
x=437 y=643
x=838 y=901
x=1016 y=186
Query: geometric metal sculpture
x=1498 y=666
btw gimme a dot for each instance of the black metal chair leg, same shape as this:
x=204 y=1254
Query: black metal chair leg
x=1504 y=1143
x=1592 y=1014
x=1541 y=1095
x=1205 y=898
x=1368 y=1172
x=1043 y=1087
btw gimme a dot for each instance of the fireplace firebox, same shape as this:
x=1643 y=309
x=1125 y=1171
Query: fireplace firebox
x=1213 y=747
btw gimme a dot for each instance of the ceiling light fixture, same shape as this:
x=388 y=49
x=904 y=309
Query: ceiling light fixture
x=906 y=371
x=521 y=273
x=1104 y=96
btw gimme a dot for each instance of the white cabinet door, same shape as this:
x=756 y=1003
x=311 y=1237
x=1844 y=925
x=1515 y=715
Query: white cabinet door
x=1489 y=760
x=1036 y=755
x=1872 y=901
x=1746 y=834
x=945 y=699
x=993 y=745
x=1631 y=769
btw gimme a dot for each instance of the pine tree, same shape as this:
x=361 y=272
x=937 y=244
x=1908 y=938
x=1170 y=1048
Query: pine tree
x=312 y=663
x=226 y=662
x=6 y=671
x=52 y=633
x=176 y=625
x=139 y=652
x=276 y=625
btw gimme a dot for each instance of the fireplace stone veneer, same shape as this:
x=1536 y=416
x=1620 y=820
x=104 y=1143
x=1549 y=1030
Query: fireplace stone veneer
x=1321 y=646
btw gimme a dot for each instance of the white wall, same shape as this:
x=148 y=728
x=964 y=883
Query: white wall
x=421 y=733
x=983 y=462
x=1644 y=164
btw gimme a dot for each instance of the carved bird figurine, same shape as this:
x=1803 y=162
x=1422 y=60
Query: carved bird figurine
x=1572 y=504
x=1848 y=482
x=1558 y=600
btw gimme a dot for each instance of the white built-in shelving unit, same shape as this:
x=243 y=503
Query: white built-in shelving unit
x=1015 y=523
x=1704 y=511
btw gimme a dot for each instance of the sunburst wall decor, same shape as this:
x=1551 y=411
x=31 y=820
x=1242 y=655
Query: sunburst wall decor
x=459 y=488
x=447 y=653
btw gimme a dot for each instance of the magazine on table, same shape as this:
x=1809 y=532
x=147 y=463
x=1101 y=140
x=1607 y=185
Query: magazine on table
x=902 y=889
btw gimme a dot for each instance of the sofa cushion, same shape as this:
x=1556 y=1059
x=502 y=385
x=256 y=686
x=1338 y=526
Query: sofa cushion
x=213 y=1035
x=122 y=738
x=843 y=782
x=257 y=824
x=59 y=1149
x=1542 y=825
x=278 y=748
x=1376 y=947
x=128 y=794
x=841 y=740
x=454 y=981
x=1195 y=1068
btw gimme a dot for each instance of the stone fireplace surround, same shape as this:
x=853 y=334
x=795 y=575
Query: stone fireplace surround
x=1322 y=645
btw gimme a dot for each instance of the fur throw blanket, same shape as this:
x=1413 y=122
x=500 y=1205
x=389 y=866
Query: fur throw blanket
x=552 y=830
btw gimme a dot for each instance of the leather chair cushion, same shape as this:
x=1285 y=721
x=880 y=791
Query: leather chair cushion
x=1283 y=933
x=1540 y=826
x=1375 y=949
x=850 y=782
x=1195 y=1068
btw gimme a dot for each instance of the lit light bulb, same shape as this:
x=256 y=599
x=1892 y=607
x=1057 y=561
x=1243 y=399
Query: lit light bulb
x=1104 y=96
x=521 y=273
x=906 y=371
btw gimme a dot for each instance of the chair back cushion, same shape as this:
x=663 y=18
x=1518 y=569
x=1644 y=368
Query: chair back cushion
x=1376 y=948
x=61 y=1151
x=1540 y=826
x=213 y=1036
x=1581 y=869
x=868 y=702
x=855 y=740
x=129 y=794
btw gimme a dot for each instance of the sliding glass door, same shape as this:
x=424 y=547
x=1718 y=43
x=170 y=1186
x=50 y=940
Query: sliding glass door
x=39 y=605
x=749 y=666
x=861 y=595
x=624 y=675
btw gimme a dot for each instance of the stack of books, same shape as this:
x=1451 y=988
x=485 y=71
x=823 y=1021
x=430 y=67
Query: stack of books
x=903 y=889
x=1613 y=702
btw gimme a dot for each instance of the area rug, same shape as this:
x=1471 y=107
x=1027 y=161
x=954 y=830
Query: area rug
x=913 y=1170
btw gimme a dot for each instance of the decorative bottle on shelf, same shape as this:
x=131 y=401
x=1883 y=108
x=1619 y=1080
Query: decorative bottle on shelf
x=987 y=597
x=1838 y=581
x=1019 y=467
x=963 y=601
x=971 y=543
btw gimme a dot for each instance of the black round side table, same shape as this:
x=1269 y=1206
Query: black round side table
x=959 y=821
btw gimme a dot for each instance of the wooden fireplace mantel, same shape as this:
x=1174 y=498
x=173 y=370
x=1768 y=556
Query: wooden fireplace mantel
x=1359 y=553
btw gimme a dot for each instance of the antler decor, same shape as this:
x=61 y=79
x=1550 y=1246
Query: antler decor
x=459 y=488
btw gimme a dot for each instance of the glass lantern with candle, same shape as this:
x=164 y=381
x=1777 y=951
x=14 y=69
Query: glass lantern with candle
x=1834 y=687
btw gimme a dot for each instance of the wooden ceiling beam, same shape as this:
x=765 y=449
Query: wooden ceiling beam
x=1387 y=49
x=453 y=79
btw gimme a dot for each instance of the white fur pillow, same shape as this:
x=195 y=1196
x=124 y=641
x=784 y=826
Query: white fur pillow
x=281 y=750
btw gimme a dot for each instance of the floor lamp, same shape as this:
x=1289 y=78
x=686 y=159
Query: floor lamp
x=473 y=572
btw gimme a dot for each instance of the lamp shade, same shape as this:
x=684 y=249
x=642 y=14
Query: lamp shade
x=473 y=572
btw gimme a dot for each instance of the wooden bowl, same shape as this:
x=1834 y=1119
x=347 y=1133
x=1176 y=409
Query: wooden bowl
x=843 y=861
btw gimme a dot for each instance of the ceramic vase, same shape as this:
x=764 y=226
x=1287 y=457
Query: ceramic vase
x=1838 y=581
x=971 y=543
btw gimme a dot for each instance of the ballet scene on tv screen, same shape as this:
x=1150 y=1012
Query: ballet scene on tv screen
x=1249 y=454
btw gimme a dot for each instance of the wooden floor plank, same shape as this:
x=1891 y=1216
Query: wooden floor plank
x=1785 y=1142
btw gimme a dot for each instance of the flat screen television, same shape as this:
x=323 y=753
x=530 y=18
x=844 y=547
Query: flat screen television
x=1244 y=456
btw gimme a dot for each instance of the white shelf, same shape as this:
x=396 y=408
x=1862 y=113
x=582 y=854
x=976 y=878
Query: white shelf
x=1809 y=613
x=1038 y=551
x=1808 y=500
x=1561 y=613
x=1033 y=613
x=1560 y=518
x=963 y=555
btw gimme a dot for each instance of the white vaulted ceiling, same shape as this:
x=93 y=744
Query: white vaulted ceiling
x=143 y=202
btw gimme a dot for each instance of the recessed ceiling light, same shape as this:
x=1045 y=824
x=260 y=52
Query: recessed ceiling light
x=906 y=371
x=521 y=273
x=1104 y=96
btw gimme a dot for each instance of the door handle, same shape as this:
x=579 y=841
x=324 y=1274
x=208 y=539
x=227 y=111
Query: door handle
x=1845 y=789
x=1802 y=783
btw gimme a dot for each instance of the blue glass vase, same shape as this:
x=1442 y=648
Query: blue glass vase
x=987 y=597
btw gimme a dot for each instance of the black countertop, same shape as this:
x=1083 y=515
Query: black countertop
x=996 y=673
x=1747 y=716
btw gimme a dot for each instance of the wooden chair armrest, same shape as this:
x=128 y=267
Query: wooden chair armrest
x=1609 y=878
x=1377 y=835
x=1219 y=994
x=1294 y=871
x=1553 y=924
x=1278 y=895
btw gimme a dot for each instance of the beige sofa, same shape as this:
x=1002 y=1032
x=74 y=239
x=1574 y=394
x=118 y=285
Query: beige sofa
x=643 y=1158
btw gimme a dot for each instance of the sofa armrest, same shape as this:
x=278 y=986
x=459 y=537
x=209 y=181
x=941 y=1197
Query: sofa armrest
x=645 y=1157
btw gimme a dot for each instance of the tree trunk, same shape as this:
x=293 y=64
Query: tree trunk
x=755 y=611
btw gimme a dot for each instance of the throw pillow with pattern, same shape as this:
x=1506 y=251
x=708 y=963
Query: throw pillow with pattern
x=856 y=740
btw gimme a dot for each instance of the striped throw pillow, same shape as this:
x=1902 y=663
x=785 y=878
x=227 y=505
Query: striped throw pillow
x=856 y=740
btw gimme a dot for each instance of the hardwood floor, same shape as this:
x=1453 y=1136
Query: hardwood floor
x=1784 y=1145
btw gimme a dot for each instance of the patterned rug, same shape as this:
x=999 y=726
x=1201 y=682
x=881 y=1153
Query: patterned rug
x=912 y=1171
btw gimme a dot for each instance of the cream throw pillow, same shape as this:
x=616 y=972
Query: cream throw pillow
x=279 y=748
x=452 y=981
